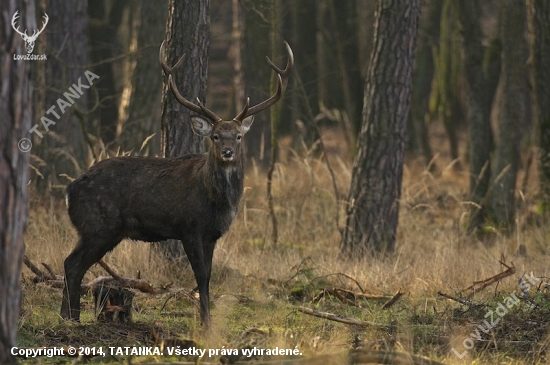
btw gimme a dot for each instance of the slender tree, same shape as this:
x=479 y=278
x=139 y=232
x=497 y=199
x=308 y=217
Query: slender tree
x=428 y=39
x=105 y=18
x=141 y=120
x=251 y=29
x=481 y=70
x=511 y=109
x=16 y=108
x=539 y=40
x=62 y=145
x=378 y=167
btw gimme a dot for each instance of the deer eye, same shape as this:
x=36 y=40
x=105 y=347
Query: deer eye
x=239 y=137
x=216 y=137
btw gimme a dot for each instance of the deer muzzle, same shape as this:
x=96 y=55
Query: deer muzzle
x=228 y=154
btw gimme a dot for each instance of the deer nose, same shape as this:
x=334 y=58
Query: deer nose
x=227 y=153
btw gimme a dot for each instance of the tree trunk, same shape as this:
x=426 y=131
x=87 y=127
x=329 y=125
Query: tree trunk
x=105 y=17
x=447 y=76
x=188 y=33
x=480 y=91
x=378 y=167
x=305 y=48
x=428 y=39
x=539 y=40
x=63 y=146
x=16 y=109
x=142 y=118
x=255 y=73
x=511 y=111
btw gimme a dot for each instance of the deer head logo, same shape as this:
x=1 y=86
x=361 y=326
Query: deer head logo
x=29 y=39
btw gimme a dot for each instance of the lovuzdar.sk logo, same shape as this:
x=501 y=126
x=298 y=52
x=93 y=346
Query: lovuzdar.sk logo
x=29 y=39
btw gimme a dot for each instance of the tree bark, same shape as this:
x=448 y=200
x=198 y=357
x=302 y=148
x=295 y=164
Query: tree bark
x=480 y=87
x=511 y=110
x=105 y=17
x=303 y=13
x=62 y=146
x=255 y=73
x=16 y=109
x=142 y=118
x=539 y=40
x=428 y=39
x=378 y=167
x=188 y=33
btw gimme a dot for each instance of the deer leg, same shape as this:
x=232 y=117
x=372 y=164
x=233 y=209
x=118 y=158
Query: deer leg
x=208 y=255
x=87 y=252
x=195 y=253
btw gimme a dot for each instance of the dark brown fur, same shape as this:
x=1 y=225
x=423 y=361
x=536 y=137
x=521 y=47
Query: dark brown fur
x=193 y=199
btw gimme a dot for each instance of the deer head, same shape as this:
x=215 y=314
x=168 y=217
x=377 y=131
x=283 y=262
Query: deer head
x=29 y=39
x=226 y=134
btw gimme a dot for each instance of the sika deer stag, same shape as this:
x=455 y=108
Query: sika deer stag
x=192 y=198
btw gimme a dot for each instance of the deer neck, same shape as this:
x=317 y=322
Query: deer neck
x=225 y=179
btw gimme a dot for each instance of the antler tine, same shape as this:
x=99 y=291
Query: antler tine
x=239 y=118
x=208 y=113
x=198 y=108
x=167 y=69
x=282 y=75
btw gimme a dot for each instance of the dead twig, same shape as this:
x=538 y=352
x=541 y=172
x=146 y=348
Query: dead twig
x=364 y=296
x=40 y=275
x=343 y=299
x=459 y=300
x=344 y=275
x=108 y=269
x=394 y=299
x=346 y=320
x=49 y=269
x=510 y=270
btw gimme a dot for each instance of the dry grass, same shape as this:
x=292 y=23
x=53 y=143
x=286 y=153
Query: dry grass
x=258 y=284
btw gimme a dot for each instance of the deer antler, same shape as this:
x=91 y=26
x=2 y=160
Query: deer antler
x=198 y=108
x=282 y=76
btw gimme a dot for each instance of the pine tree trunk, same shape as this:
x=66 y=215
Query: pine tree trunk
x=188 y=33
x=428 y=39
x=105 y=18
x=539 y=39
x=378 y=167
x=480 y=92
x=16 y=109
x=511 y=112
x=143 y=115
x=254 y=16
x=63 y=146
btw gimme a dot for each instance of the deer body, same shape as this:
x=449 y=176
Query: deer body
x=193 y=198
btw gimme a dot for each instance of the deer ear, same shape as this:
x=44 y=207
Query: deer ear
x=247 y=122
x=201 y=126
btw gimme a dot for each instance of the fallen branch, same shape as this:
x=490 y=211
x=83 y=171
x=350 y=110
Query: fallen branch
x=363 y=295
x=510 y=270
x=346 y=320
x=108 y=269
x=49 y=269
x=138 y=284
x=40 y=275
x=461 y=301
x=343 y=299
x=394 y=299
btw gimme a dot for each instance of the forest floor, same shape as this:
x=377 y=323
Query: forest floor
x=258 y=288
